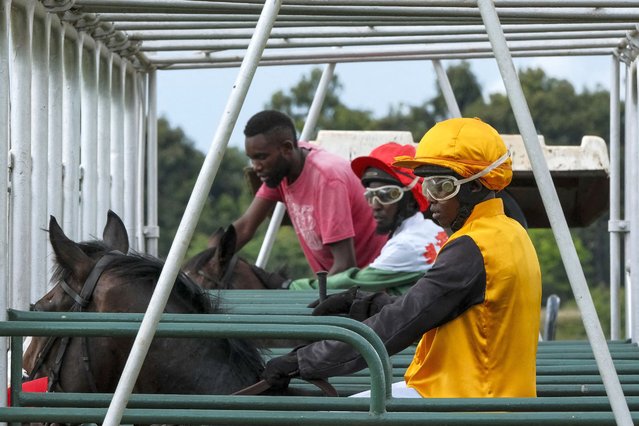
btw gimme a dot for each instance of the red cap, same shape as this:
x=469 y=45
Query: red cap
x=382 y=158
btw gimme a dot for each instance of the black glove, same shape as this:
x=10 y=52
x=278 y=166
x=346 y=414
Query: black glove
x=368 y=304
x=335 y=304
x=279 y=371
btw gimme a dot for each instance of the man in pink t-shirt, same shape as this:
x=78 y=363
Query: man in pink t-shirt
x=323 y=197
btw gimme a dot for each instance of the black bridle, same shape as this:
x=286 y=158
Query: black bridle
x=80 y=301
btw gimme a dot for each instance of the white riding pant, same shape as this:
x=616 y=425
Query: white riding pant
x=400 y=390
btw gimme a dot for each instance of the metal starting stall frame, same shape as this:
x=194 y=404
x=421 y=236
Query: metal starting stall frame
x=78 y=112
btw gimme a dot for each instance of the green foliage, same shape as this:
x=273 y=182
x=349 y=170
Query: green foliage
x=553 y=273
x=335 y=115
x=179 y=163
x=406 y=117
x=466 y=89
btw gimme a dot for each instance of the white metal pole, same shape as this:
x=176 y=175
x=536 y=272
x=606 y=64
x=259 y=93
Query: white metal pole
x=117 y=140
x=21 y=74
x=56 y=90
x=71 y=134
x=633 y=213
x=318 y=101
x=89 y=135
x=152 y=230
x=614 y=225
x=555 y=214
x=39 y=155
x=140 y=103
x=130 y=153
x=447 y=89
x=103 y=166
x=309 y=125
x=631 y=136
x=191 y=214
x=5 y=31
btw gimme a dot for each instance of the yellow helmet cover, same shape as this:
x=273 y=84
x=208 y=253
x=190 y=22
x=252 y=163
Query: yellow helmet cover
x=466 y=146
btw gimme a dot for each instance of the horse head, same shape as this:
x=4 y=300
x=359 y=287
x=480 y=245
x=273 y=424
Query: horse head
x=219 y=267
x=124 y=282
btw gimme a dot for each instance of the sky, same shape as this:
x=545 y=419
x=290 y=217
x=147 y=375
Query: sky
x=195 y=99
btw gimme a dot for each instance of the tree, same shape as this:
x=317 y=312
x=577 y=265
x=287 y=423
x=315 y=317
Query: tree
x=335 y=115
x=465 y=87
x=561 y=114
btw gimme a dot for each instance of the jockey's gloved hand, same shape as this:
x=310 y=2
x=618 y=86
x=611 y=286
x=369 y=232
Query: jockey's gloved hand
x=335 y=304
x=279 y=371
x=368 y=304
x=357 y=305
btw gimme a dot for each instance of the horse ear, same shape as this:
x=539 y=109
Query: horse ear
x=226 y=248
x=214 y=239
x=68 y=253
x=114 y=234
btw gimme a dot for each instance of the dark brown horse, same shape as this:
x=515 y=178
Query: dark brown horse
x=121 y=282
x=219 y=267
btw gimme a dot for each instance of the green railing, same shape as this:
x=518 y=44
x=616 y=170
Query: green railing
x=359 y=336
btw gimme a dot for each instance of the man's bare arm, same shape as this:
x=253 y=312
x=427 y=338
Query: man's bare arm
x=343 y=256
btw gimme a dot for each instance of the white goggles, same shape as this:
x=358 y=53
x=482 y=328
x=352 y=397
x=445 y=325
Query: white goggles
x=388 y=194
x=442 y=188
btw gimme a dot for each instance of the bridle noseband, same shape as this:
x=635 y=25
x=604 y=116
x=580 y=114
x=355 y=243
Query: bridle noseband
x=80 y=301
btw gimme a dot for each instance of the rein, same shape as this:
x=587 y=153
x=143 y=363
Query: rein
x=80 y=301
x=263 y=386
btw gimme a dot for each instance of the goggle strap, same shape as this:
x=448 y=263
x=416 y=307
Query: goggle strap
x=411 y=185
x=487 y=170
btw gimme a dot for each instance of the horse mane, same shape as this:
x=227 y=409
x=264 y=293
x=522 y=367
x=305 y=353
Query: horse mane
x=138 y=266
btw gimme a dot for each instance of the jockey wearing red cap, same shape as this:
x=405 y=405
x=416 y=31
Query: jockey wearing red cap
x=395 y=196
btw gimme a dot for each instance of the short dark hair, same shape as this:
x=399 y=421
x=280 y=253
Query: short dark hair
x=270 y=121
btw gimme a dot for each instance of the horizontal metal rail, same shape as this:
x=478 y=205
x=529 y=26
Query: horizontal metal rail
x=155 y=28
x=299 y=403
x=311 y=418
